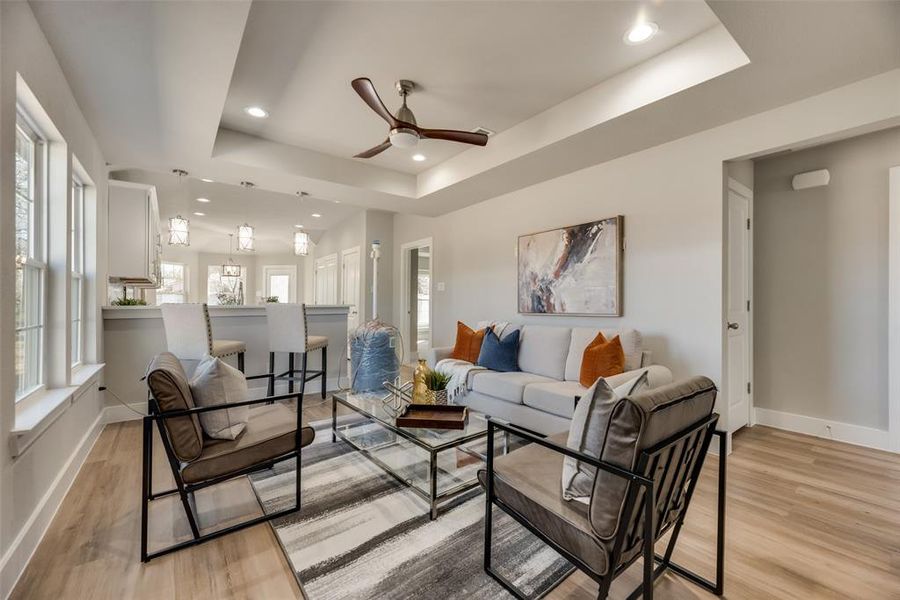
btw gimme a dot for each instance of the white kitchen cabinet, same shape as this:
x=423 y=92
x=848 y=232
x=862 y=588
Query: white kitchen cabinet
x=135 y=239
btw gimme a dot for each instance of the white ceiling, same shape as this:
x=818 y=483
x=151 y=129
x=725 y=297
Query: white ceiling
x=490 y=64
x=272 y=214
x=157 y=80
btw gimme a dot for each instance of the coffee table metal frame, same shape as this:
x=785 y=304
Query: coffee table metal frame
x=432 y=497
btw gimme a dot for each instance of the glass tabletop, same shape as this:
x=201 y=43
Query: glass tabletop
x=372 y=405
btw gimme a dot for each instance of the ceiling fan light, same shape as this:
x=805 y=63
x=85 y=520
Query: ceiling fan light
x=301 y=243
x=403 y=137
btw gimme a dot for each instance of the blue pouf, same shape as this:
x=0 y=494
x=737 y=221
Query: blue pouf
x=373 y=356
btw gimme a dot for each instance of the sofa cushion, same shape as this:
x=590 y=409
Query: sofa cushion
x=505 y=386
x=527 y=480
x=632 y=345
x=602 y=358
x=543 y=350
x=170 y=388
x=555 y=397
x=215 y=382
x=468 y=343
x=497 y=354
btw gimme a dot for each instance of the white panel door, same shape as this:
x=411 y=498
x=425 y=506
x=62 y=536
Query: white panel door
x=326 y=279
x=737 y=312
x=350 y=285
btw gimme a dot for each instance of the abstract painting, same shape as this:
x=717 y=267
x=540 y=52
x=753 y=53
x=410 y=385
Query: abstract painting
x=573 y=270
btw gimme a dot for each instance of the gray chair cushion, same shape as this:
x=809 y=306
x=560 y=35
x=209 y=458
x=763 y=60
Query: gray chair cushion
x=505 y=386
x=555 y=397
x=639 y=423
x=169 y=386
x=543 y=350
x=527 y=480
x=269 y=434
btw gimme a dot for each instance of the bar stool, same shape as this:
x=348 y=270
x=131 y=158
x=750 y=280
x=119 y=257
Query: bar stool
x=189 y=334
x=288 y=333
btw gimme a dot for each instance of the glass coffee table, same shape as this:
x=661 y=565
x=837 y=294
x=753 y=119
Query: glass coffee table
x=437 y=464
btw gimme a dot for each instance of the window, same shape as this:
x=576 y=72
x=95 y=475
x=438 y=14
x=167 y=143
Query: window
x=77 y=258
x=280 y=282
x=225 y=290
x=31 y=269
x=173 y=284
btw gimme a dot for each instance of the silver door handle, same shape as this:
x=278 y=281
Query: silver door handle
x=733 y=326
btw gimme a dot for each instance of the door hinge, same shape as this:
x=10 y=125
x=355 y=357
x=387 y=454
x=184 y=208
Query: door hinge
x=748 y=223
x=748 y=387
x=748 y=306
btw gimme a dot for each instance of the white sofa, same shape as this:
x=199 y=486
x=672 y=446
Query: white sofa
x=541 y=397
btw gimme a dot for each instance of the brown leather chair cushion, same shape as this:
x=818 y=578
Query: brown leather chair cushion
x=169 y=385
x=528 y=481
x=269 y=435
x=635 y=425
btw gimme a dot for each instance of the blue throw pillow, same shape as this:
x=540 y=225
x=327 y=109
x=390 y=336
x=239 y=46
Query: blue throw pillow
x=497 y=354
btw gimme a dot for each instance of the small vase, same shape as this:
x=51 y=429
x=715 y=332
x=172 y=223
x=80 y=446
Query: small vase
x=420 y=388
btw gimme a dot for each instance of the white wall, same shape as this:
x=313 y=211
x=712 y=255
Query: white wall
x=672 y=200
x=821 y=282
x=32 y=484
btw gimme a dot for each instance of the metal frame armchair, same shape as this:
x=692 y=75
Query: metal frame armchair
x=665 y=471
x=272 y=435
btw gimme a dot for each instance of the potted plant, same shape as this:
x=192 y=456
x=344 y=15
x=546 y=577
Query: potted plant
x=436 y=384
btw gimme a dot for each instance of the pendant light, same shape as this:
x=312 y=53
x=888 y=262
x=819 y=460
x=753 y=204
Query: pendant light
x=245 y=231
x=301 y=238
x=230 y=269
x=179 y=227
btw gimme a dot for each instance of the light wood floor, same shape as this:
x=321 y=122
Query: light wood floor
x=807 y=518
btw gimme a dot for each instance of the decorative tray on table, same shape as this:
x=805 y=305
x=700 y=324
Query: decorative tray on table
x=434 y=416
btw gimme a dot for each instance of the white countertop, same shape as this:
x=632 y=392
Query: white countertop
x=253 y=310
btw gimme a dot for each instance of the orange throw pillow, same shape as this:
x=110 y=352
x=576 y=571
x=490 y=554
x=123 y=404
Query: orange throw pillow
x=601 y=358
x=468 y=343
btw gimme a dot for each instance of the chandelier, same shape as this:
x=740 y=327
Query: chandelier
x=179 y=227
x=230 y=269
x=301 y=243
x=245 y=232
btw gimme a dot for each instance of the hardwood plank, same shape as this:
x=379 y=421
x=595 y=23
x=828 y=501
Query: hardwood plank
x=807 y=518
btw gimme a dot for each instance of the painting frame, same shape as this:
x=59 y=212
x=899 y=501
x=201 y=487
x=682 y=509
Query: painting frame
x=617 y=278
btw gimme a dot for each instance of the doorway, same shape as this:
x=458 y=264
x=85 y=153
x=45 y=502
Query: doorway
x=738 y=321
x=350 y=285
x=416 y=263
x=326 y=279
x=280 y=282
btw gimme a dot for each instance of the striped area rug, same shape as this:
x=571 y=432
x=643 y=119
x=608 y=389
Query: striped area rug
x=363 y=535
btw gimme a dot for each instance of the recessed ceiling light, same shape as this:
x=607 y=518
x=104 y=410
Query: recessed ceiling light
x=200 y=214
x=316 y=215
x=257 y=111
x=418 y=157
x=205 y=180
x=202 y=199
x=641 y=32
x=298 y=226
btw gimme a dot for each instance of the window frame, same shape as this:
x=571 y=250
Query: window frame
x=184 y=280
x=76 y=261
x=210 y=269
x=35 y=263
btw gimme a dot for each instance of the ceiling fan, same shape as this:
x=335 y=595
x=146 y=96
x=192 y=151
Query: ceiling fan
x=404 y=132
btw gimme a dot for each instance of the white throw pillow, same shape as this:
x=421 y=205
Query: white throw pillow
x=215 y=382
x=587 y=433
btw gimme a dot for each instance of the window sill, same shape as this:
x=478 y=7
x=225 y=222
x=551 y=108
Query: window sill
x=35 y=413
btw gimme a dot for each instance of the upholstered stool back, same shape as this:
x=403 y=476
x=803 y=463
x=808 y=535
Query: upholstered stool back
x=188 y=330
x=287 y=327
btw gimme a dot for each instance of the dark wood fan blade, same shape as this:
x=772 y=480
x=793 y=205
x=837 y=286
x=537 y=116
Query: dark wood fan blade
x=366 y=91
x=465 y=137
x=376 y=150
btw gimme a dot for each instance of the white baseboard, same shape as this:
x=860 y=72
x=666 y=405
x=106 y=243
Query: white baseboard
x=13 y=563
x=832 y=430
x=117 y=413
